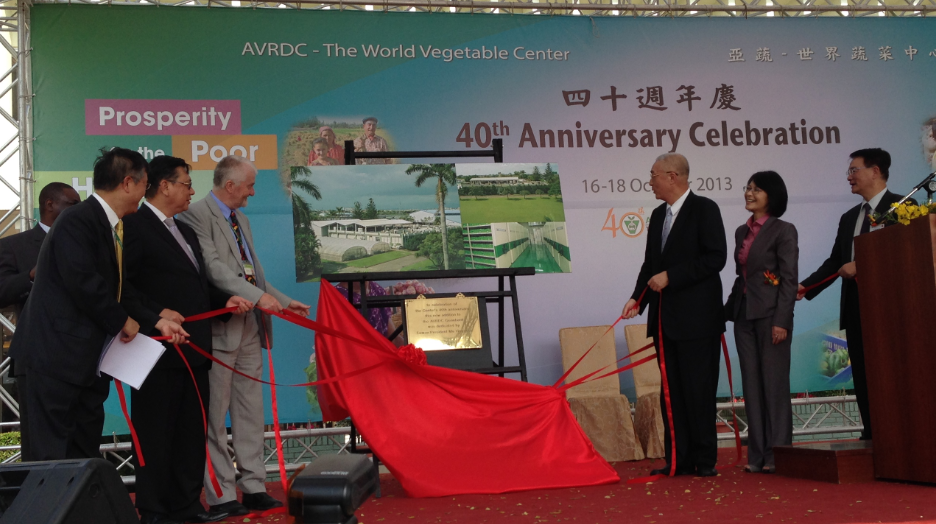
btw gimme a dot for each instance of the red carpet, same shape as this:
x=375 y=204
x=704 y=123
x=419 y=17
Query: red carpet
x=734 y=496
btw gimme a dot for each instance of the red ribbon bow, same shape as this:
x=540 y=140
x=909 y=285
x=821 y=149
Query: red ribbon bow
x=412 y=355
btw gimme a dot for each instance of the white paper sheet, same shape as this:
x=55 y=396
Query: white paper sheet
x=130 y=362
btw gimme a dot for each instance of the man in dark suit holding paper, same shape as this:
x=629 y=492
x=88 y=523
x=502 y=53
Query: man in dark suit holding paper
x=74 y=309
x=167 y=271
x=686 y=250
x=867 y=174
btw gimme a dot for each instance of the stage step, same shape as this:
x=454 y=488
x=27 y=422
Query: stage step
x=836 y=462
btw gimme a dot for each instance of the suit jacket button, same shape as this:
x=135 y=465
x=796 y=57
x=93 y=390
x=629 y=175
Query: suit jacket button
x=240 y=274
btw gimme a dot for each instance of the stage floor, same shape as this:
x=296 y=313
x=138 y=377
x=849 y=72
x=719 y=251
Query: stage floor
x=733 y=496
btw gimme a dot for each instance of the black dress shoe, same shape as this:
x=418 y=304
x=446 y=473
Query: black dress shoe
x=665 y=470
x=260 y=501
x=209 y=516
x=706 y=472
x=233 y=508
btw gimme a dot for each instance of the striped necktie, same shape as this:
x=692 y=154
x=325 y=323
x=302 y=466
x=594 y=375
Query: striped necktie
x=248 y=275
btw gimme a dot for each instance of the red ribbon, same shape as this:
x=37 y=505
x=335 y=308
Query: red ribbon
x=821 y=282
x=587 y=351
x=289 y=317
x=587 y=378
x=281 y=461
x=669 y=407
x=734 y=416
x=126 y=414
x=211 y=472
x=585 y=354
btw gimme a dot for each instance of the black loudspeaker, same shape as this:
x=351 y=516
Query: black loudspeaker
x=329 y=490
x=84 y=491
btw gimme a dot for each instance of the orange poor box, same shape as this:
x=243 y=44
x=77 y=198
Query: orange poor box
x=203 y=152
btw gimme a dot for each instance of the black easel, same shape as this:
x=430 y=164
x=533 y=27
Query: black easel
x=497 y=153
x=498 y=296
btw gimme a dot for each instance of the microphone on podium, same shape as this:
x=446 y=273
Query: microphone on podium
x=928 y=183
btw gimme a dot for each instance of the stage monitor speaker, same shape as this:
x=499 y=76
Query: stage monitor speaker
x=331 y=489
x=82 y=491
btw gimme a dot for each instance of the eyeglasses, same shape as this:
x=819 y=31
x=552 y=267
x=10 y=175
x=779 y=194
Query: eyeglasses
x=753 y=189
x=852 y=170
x=188 y=185
x=652 y=176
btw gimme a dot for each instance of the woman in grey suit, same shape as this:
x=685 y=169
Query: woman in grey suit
x=761 y=306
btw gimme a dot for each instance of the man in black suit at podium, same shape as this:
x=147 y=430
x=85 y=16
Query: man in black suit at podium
x=167 y=272
x=686 y=250
x=867 y=174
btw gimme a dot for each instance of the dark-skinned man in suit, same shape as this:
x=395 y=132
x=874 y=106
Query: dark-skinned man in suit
x=686 y=250
x=18 y=256
x=167 y=271
x=867 y=173
x=19 y=253
x=73 y=311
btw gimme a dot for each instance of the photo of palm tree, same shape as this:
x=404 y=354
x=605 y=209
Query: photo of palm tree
x=374 y=218
x=445 y=176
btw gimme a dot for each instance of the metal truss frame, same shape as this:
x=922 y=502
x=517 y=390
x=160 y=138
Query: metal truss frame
x=814 y=424
x=595 y=8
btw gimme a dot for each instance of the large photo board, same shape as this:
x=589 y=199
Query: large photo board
x=595 y=99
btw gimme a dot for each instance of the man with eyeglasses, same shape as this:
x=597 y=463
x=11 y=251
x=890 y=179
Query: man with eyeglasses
x=165 y=266
x=686 y=250
x=867 y=174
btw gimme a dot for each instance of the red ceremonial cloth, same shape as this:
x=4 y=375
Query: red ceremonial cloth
x=446 y=432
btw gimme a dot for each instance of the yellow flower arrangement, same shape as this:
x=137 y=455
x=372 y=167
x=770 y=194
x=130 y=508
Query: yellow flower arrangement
x=904 y=213
x=907 y=212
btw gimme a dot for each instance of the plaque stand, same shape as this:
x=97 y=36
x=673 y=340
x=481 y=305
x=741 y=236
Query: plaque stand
x=497 y=367
x=497 y=297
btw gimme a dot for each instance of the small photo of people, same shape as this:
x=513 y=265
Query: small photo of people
x=319 y=141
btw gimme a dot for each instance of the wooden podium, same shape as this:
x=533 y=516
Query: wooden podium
x=897 y=285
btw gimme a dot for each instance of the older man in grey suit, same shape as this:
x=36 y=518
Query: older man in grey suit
x=234 y=267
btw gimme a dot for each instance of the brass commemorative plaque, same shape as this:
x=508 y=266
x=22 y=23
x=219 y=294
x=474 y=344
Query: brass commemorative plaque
x=435 y=324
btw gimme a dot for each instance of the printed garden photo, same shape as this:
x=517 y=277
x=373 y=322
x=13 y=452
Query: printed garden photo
x=513 y=216
x=375 y=218
x=409 y=217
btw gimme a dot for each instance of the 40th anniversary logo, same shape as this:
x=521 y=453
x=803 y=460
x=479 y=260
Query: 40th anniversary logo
x=631 y=223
